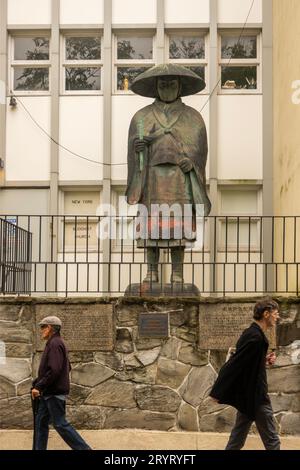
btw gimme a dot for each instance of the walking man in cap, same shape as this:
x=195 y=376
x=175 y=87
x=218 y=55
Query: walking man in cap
x=51 y=387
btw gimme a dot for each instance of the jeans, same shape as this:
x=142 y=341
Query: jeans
x=53 y=411
x=265 y=424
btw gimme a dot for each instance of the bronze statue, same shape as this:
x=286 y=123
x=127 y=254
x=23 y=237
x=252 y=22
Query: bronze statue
x=167 y=153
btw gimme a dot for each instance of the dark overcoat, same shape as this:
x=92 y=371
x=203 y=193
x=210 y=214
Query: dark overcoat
x=241 y=382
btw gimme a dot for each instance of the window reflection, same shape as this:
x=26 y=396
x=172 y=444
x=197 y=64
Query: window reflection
x=83 y=78
x=26 y=48
x=126 y=75
x=135 y=48
x=83 y=48
x=31 y=78
x=239 y=78
x=239 y=48
x=185 y=47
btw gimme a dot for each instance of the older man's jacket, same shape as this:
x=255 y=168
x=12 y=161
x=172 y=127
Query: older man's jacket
x=242 y=381
x=53 y=375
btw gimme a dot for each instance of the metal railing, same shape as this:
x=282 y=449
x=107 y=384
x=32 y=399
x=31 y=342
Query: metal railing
x=15 y=258
x=240 y=255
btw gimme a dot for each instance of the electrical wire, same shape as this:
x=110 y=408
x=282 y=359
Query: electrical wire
x=77 y=155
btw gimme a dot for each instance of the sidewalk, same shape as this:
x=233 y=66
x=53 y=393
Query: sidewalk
x=139 y=440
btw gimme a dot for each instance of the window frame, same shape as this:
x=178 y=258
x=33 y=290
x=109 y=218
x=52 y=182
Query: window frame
x=130 y=62
x=14 y=64
x=241 y=62
x=64 y=63
x=190 y=62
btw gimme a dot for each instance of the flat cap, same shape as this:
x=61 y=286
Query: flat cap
x=51 y=320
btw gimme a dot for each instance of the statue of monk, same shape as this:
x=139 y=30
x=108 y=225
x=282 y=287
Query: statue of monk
x=167 y=153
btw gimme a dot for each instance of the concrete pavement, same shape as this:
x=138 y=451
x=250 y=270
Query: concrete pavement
x=139 y=440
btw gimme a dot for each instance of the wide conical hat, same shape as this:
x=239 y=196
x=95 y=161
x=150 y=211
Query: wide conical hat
x=145 y=83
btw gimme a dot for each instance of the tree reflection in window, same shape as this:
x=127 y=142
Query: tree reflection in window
x=243 y=48
x=83 y=48
x=83 y=78
x=126 y=75
x=183 y=47
x=31 y=48
x=31 y=79
x=135 y=48
x=35 y=49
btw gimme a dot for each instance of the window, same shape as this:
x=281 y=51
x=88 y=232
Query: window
x=189 y=50
x=239 y=61
x=241 y=230
x=30 y=63
x=82 y=63
x=133 y=55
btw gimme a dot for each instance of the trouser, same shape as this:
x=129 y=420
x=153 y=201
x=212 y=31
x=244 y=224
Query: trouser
x=265 y=424
x=53 y=410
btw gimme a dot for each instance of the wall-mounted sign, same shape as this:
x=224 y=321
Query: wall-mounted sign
x=82 y=231
x=153 y=325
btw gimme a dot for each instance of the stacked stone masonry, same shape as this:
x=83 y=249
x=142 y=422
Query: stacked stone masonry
x=144 y=383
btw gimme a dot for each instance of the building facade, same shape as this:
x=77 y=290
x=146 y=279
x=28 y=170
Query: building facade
x=65 y=71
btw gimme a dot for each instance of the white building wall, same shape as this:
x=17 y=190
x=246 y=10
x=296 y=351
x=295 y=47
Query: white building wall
x=236 y=11
x=133 y=11
x=81 y=131
x=79 y=12
x=187 y=11
x=240 y=137
x=28 y=148
x=29 y=12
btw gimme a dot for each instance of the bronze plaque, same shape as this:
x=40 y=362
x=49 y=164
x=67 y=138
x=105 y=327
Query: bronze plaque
x=153 y=325
x=220 y=325
x=84 y=327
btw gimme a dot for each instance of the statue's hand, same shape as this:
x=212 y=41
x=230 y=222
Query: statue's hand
x=186 y=165
x=141 y=144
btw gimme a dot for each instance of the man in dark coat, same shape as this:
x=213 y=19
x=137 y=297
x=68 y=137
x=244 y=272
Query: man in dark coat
x=51 y=387
x=242 y=381
x=167 y=153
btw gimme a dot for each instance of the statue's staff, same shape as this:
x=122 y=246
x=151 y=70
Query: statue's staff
x=141 y=136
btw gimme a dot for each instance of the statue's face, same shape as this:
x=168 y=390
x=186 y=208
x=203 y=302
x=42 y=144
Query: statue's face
x=168 y=89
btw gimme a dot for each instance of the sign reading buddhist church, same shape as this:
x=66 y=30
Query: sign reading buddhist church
x=82 y=230
x=220 y=325
x=85 y=327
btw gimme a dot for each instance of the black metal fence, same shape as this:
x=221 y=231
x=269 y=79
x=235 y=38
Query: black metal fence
x=15 y=258
x=72 y=255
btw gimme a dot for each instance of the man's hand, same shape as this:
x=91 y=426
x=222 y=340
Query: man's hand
x=271 y=359
x=186 y=165
x=141 y=144
x=35 y=393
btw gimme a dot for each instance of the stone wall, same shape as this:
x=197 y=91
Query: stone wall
x=145 y=383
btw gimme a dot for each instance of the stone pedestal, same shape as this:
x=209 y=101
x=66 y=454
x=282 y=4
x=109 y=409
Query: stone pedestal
x=156 y=289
